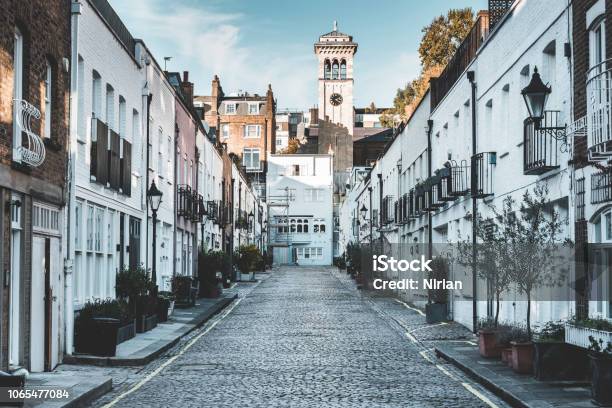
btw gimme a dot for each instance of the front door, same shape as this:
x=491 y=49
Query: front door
x=134 y=245
x=45 y=305
x=15 y=297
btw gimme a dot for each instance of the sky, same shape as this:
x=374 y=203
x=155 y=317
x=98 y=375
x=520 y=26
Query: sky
x=251 y=44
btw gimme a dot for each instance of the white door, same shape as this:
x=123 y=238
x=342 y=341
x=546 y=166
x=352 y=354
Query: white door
x=45 y=304
x=37 y=317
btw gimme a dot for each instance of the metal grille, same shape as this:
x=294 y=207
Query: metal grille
x=483 y=165
x=497 y=10
x=460 y=178
x=540 y=147
x=601 y=187
x=580 y=199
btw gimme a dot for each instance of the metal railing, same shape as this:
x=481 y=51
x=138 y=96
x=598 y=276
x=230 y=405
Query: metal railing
x=483 y=165
x=540 y=147
x=601 y=187
x=599 y=110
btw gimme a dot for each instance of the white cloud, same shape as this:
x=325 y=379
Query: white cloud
x=208 y=42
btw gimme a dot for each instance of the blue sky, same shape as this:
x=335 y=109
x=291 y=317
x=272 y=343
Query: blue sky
x=252 y=43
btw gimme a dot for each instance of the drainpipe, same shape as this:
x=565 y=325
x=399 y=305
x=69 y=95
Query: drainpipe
x=175 y=187
x=232 y=227
x=380 y=209
x=75 y=10
x=371 y=220
x=471 y=77
x=429 y=174
x=149 y=97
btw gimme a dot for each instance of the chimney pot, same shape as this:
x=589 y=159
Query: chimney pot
x=185 y=76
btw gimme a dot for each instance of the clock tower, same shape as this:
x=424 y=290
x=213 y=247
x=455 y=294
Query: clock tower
x=335 y=52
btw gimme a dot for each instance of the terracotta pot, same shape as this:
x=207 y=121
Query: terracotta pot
x=487 y=344
x=506 y=356
x=522 y=357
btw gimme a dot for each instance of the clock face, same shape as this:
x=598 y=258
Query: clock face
x=335 y=99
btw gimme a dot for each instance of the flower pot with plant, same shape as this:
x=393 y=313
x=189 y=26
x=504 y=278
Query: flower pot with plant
x=554 y=359
x=101 y=325
x=436 y=309
x=488 y=344
x=601 y=371
x=522 y=350
x=249 y=260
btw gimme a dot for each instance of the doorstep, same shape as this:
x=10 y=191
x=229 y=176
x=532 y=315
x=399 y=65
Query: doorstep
x=81 y=389
x=516 y=389
x=145 y=347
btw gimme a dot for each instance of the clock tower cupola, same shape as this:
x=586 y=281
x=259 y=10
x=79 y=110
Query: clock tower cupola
x=336 y=52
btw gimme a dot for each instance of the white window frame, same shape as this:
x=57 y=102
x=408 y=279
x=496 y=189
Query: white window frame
x=256 y=105
x=17 y=90
x=225 y=131
x=247 y=132
x=48 y=100
x=248 y=164
x=234 y=108
x=597 y=30
x=110 y=106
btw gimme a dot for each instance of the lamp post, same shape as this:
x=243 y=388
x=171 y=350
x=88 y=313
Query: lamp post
x=536 y=95
x=251 y=217
x=154 y=197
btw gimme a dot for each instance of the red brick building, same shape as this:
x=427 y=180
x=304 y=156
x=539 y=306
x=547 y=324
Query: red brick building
x=245 y=122
x=34 y=93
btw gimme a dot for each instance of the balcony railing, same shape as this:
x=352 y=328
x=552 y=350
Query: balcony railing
x=388 y=215
x=446 y=185
x=34 y=153
x=184 y=201
x=540 y=147
x=213 y=211
x=483 y=166
x=460 y=178
x=599 y=110
x=601 y=187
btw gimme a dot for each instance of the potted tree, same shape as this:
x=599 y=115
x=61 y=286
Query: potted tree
x=249 y=259
x=209 y=267
x=436 y=309
x=134 y=287
x=601 y=371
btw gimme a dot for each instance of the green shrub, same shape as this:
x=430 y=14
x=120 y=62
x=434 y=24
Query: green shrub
x=551 y=332
x=132 y=283
x=248 y=258
x=111 y=308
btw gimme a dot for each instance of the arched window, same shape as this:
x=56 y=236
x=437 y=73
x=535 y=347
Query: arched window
x=306 y=226
x=292 y=225
x=299 y=226
x=335 y=70
x=343 y=70
x=327 y=69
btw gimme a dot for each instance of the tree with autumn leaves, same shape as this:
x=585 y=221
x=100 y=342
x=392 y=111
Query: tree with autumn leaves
x=441 y=39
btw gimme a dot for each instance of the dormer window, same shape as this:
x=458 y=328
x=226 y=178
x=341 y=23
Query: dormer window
x=230 y=109
x=253 y=108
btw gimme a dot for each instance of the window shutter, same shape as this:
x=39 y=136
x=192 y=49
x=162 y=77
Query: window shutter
x=126 y=167
x=114 y=162
x=99 y=151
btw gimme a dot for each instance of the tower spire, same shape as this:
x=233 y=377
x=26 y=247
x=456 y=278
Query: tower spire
x=335 y=25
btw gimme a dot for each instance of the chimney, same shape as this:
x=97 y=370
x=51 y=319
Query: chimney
x=187 y=88
x=314 y=116
x=215 y=95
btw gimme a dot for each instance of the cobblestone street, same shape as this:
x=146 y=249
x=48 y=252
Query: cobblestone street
x=304 y=337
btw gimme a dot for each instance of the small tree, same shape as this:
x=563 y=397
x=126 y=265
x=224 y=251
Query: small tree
x=293 y=146
x=532 y=242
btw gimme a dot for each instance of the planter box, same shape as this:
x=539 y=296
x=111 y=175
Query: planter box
x=601 y=378
x=506 y=356
x=98 y=337
x=579 y=336
x=559 y=361
x=522 y=357
x=150 y=322
x=15 y=382
x=487 y=344
x=436 y=312
x=126 y=332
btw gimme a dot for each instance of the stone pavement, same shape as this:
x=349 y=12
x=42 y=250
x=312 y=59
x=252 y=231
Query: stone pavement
x=302 y=337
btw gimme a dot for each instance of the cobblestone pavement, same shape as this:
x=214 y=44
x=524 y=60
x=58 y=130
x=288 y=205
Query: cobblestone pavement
x=304 y=337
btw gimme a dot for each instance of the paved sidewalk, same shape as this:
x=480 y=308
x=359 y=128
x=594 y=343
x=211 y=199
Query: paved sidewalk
x=147 y=346
x=520 y=390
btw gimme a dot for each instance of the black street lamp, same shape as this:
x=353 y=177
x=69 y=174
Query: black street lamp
x=252 y=221
x=154 y=197
x=364 y=211
x=535 y=95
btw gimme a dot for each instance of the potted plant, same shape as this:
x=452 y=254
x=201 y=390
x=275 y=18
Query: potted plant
x=488 y=344
x=183 y=291
x=209 y=267
x=249 y=259
x=101 y=325
x=436 y=309
x=170 y=298
x=522 y=350
x=601 y=371
x=134 y=286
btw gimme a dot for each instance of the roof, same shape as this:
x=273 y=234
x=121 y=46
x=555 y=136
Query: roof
x=372 y=134
x=377 y=111
x=337 y=33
